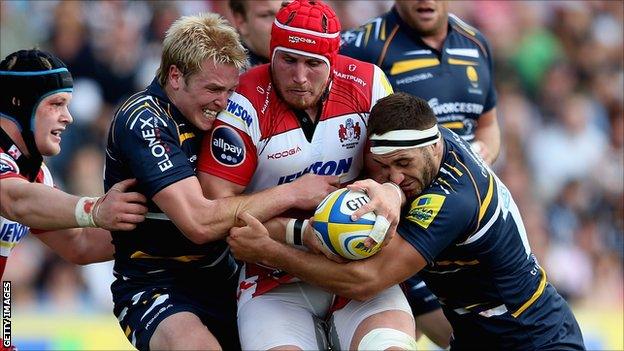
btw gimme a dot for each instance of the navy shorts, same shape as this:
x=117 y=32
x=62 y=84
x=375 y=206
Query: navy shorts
x=420 y=298
x=141 y=306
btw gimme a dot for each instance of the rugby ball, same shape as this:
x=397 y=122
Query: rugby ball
x=335 y=229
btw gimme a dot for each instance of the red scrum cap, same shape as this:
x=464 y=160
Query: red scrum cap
x=307 y=27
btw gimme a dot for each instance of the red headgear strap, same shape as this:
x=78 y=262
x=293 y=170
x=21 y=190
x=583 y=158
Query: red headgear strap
x=307 y=27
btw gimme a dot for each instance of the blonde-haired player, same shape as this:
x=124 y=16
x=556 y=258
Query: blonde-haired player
x=175 y=278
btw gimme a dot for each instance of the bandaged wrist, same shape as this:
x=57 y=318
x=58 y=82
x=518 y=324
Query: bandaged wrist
x=294 y=231
x=398 y=190
x=84 y=212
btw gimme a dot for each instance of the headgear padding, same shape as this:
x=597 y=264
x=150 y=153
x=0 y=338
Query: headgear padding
x=28 y=77
x=307 y=27
x=28 y=82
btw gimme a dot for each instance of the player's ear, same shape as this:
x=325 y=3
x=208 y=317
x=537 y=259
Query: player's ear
x=174 y=77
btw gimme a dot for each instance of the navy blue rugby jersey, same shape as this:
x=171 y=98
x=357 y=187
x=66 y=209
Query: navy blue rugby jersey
x=457 y=81
x=255 y=59
x=479 y=263
x=150 y=140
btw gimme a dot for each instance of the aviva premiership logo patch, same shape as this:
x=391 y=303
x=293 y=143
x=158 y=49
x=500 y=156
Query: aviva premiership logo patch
x=425 y=209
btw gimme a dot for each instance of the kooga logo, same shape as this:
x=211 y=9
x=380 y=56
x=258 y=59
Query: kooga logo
x=294 y=39
x=227 y=146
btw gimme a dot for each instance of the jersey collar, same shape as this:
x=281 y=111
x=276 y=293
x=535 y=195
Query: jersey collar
x=156 y=90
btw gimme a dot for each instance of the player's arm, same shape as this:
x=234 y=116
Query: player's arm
x=80 y=245
x=487 y=135
x=358 y=280
x=44 y=207
x=215 y=187
x=203 y=220
x=22 y=202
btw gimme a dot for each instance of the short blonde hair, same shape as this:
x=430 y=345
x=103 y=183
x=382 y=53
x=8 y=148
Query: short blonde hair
x=192 y=39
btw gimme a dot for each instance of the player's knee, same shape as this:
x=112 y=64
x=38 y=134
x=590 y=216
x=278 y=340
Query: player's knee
x=183 y=331
x=387 y=339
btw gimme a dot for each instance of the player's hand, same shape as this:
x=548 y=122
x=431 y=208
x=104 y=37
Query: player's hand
x=119 y=209
x=311 y=189
x=312 y=242
x=251 y=242
x=385 y=201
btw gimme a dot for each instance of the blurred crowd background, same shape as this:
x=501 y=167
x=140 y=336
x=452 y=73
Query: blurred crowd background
x=559 y=75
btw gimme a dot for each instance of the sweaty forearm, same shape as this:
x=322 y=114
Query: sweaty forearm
x=268 y=203
x=37 y=205
x=277 y=228
x=343 y=279
x=80 y=245
x=213 y=220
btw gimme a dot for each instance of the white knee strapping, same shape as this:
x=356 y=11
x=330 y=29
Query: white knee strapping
x=384 y=338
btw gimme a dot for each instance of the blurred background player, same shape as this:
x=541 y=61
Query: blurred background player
x=461 y=230
x=286 y=119
x=175 y=278
x=33 y=115
x=253 y=20
x=428 y=53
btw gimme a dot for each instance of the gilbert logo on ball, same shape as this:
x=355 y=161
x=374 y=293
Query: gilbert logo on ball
x=335 y=229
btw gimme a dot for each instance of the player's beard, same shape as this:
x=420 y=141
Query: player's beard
x=429 y=171
x=427 y=174
x=295 y=102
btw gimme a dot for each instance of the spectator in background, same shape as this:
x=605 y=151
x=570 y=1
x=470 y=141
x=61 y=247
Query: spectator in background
x=253 y=20
x=567 y=149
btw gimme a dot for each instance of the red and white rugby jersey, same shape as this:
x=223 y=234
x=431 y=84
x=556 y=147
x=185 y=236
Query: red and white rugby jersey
x=258 y=141
x=10 y=231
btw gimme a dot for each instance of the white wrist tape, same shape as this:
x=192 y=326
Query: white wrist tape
x=84 y=211
x=290 y=232
x=398 y=190
x=294 y=231
x=378 y=233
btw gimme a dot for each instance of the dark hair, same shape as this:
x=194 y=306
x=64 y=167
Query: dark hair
x=400 y=111
x=238 y=6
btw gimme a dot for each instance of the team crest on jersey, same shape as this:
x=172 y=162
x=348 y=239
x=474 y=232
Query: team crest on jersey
x=473 y=77
x=425 y=209
x=7 y=165
x=14 y=152
x=349 y=133
x=227 y=146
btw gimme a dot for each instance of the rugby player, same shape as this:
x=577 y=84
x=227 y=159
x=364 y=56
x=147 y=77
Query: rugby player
x=175 y=279
x=461 y=231
x=33 y=115
x=305 y=112
x=429 y=53
x=253 y=20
